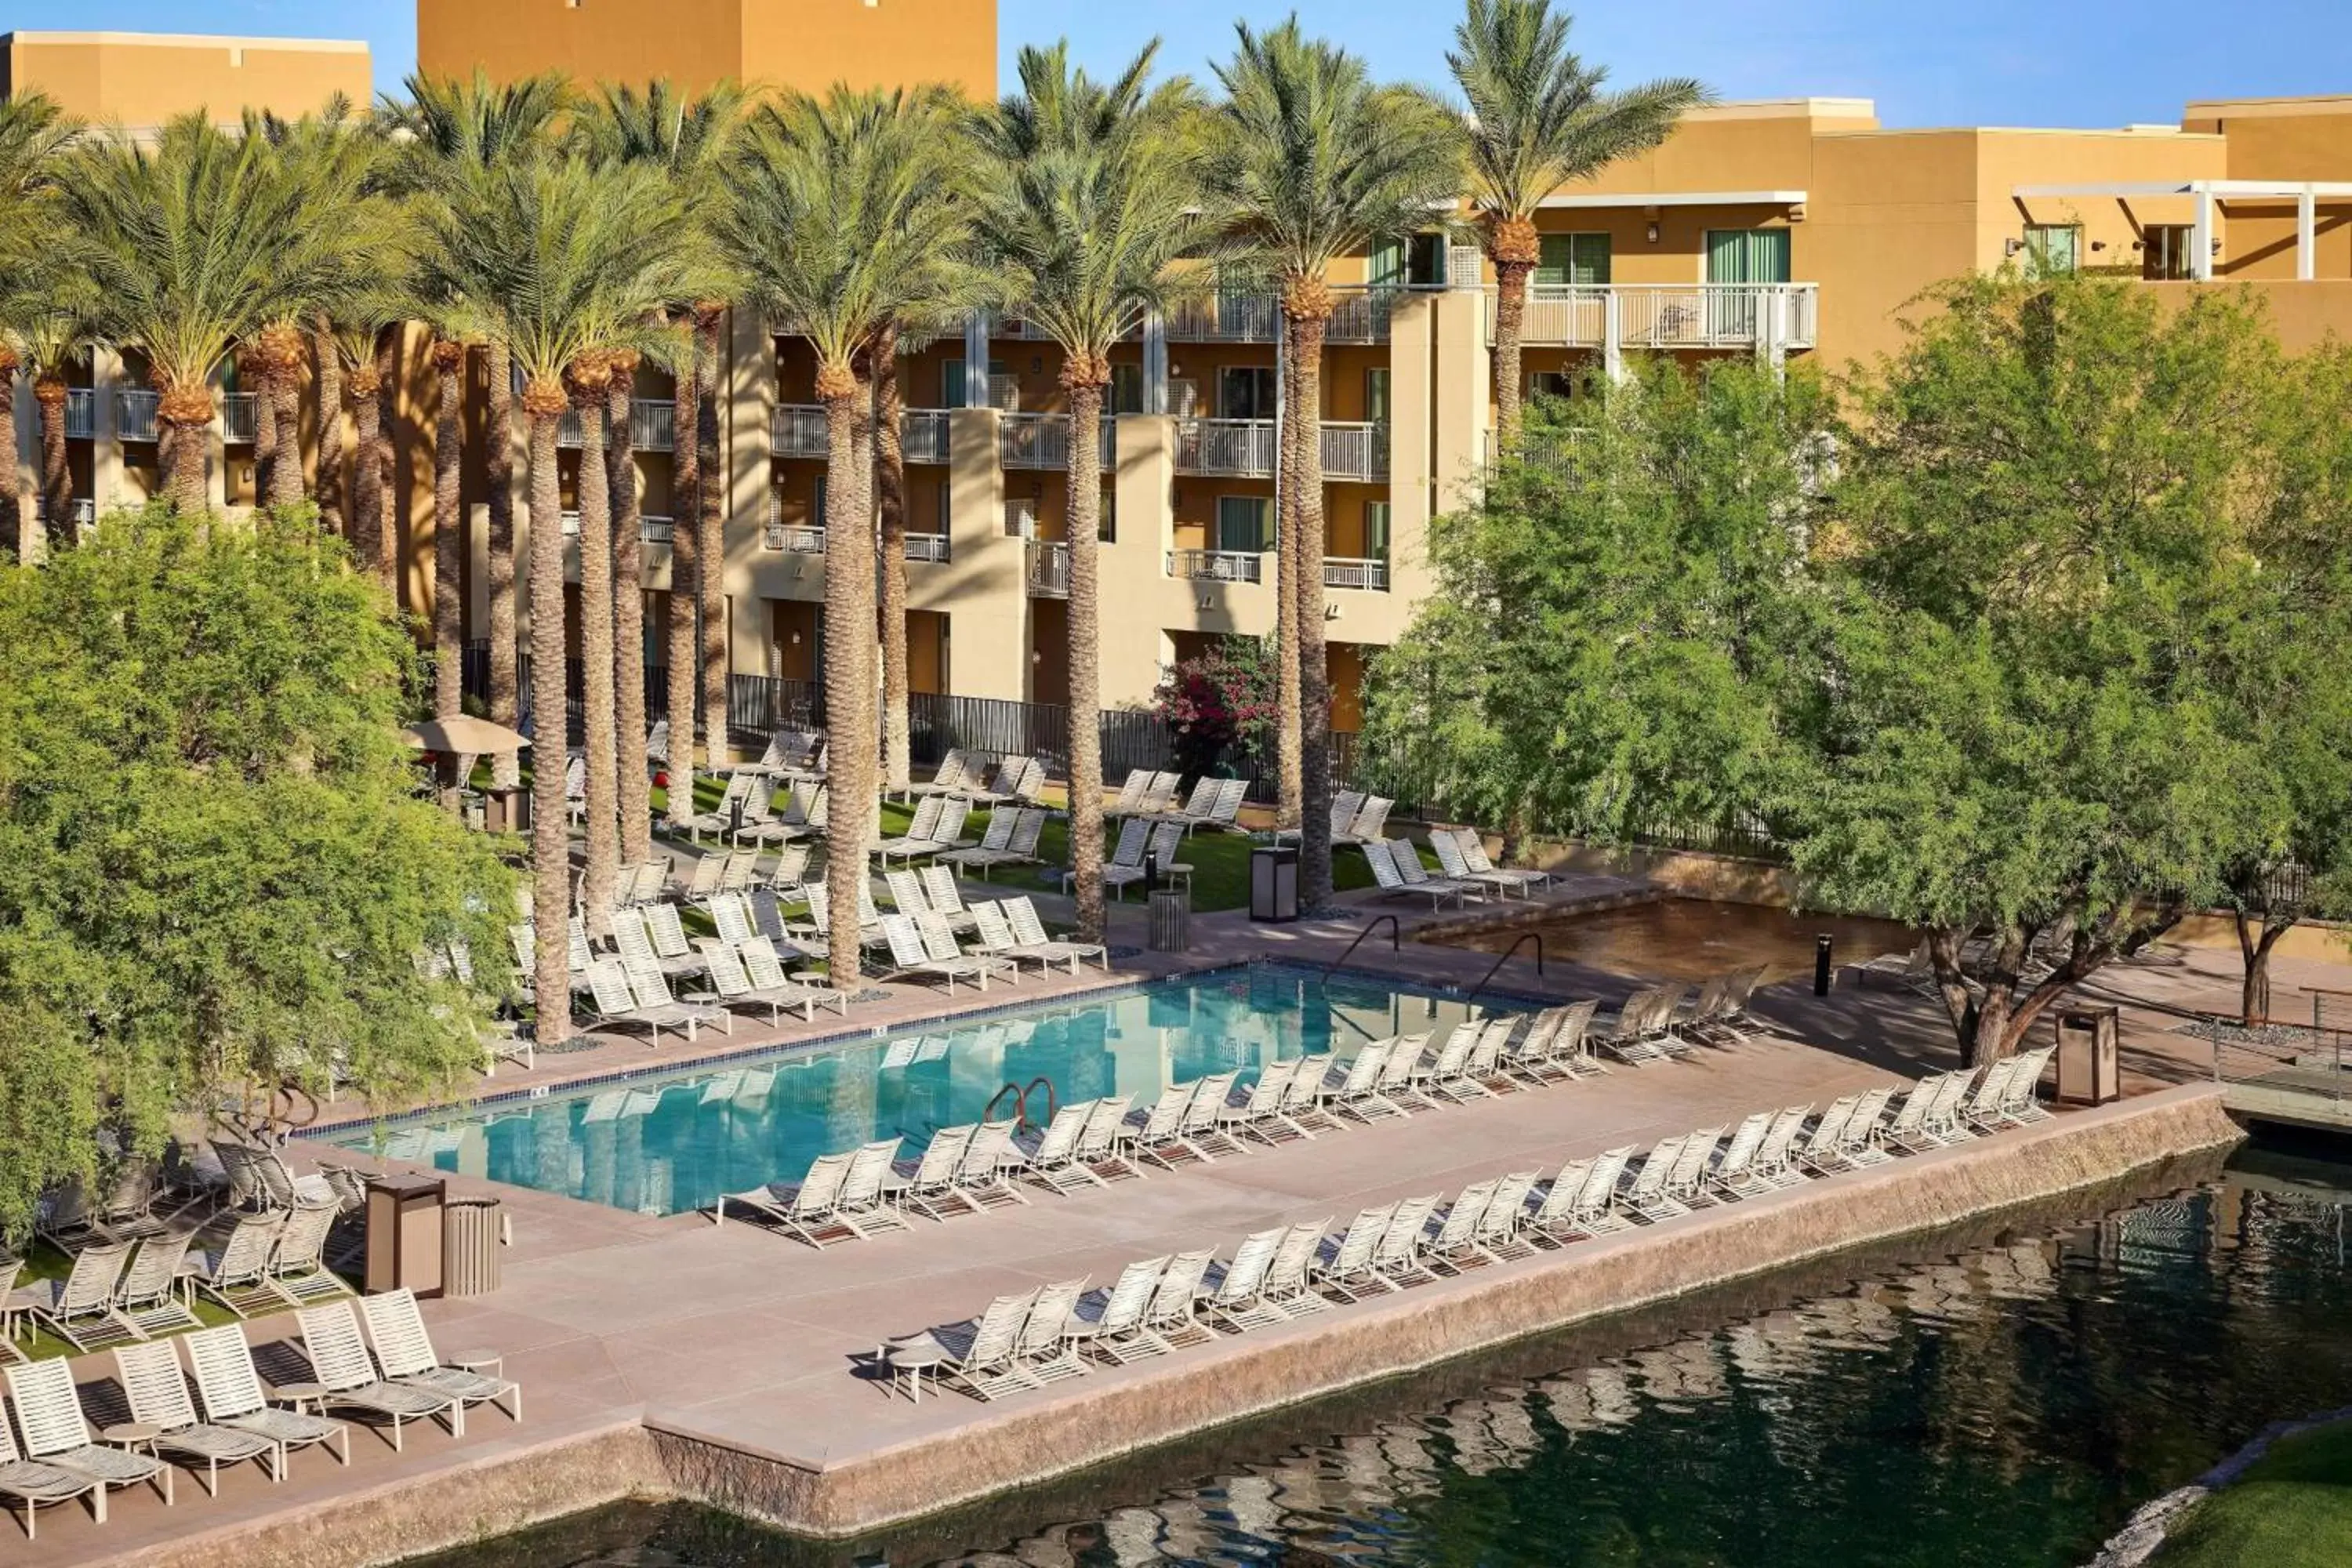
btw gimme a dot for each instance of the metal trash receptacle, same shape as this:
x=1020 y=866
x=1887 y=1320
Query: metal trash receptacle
x=474 y=1236
x=2090 y=1071
x=403 y=1234
x=1172 y=920
x=1274 y=883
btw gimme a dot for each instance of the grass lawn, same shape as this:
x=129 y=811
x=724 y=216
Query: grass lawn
x=2292 y=1510
x=46 y=1262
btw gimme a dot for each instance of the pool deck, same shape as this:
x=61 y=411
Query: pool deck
x=665 y=1356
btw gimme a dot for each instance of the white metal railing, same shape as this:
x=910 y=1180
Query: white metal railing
x=931 y=547
x=1217 y=565
x=240 y=418
x=1043 y=441
x=653 y=426
x=81 y=511
x=1670 y=315
x=923 y=434
x=1049 y=568
x=799 y=539
x=655 y=529
x=1228 y=316
x=1225 y=446
x=134 y=415
x=81 y=414
x=1350 y=572
x=1360 y=315
x=800 y=431
x=1354 y=451
x=1004 y=392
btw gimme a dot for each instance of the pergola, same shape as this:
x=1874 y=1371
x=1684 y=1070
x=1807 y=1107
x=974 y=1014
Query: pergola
x=2305 y=194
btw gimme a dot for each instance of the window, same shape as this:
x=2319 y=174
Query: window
x=1246 y=392
x=1106 y=521
x=1245 y=524
x=1578 y=258
x=1376 y=530
x=2053 y=250
x=1417 y=263
x=1126 y=389
x=1557 y=383
x=1376 y=395
x=1020 y=517
x=946 y=489
x=1747 y=256
x=951 y=387
x=2165 y=252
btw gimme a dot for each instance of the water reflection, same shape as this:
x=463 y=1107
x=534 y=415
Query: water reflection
x=2005 y=1405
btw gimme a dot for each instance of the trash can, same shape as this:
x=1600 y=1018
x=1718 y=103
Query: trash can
x=2089 y=1072
x=1172 y=920
x=1274 y=883
x=474 y=1232
x=403 y=1234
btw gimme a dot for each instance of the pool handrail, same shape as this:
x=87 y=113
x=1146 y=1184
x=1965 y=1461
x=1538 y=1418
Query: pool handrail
x=1524 y=938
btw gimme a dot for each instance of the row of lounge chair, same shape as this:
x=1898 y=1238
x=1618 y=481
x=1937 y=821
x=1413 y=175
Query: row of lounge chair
x=980 y=778
x=1158 y=1305
x=390 y=1375
x=1213 y=803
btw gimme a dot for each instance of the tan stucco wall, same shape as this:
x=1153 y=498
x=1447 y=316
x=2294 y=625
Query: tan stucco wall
x=142 y=80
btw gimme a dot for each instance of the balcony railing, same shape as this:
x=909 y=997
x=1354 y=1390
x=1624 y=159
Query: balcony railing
x=795 y=538
x=653 y=426
x=923 y=434
x=1226 y=317
x=1357 y=451
x=1346 y=571
x=1360 y=315
x=134 y=415
x=1671 y=315
x=1049 y=569
x=800 y=431
x=240 y=418
x=652 y=528
x=927 y=547
x=83 y=511
x=81 y=414
x=1043 y=441
x=1217 y=565
x=1244 y=447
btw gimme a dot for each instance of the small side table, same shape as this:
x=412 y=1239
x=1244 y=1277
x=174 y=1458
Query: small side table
x=298 y=1394
x=914 y=1363
x=132 y=1435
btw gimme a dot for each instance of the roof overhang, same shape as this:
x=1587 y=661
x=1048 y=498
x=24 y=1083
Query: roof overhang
x=1681 y=199
x=2222 y=190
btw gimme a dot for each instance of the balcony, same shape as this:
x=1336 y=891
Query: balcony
x=134 y=415
x=1360 y=315
x=1346 y=571
x=652 y=528
x=81 y=510
x=923 y=434
x=1670 y=315
x=653 y=426
x=795 y=539
x=240 y=418
x=931 y=548
x=1238 y=447
x=1043 y=441
x=800 y=431
x=1354 y=451
x=1217 y=565
x=81 y=414
x=1049 y=569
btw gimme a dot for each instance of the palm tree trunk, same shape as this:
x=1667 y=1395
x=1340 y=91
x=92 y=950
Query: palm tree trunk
x=1085 y=514
x=1511 y=311
x=890 y=496
x=848 y=670
x=184 y=419
x=1291 y=808
x=390 y=562
x=448 y=528
x=686 y=504
x=596 y=664
x=498 y=464
x=285 y=394
x=550 y=839
x=334 y=498
x=255 y=366
x=1303 y=544
x=366 y=512
x=57 y=472
x=628 y=624
x=711 y=540
x=12 y=521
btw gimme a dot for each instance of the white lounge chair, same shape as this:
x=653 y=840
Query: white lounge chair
x=156 y=1395
x=49 y=1413
x=404 y=1350
x=230 y=1390
x=347 y=1379
x=37 y=1486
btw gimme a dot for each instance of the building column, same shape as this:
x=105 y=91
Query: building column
x=28 y=437
x=984 y=585
x=1132 y=571
x=975 y=359
x=1155 y=364
x=747 y=457
x=2307 y=224
x=2201 y=238
x=106 y=430
x=1613 y=337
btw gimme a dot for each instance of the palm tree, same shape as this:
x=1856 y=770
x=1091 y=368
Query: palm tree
x=686 y=138
x=194 y=244
x=1089 y=205
x=557 y=257
x=444 y=129
x=1540 y=120
x=834 y=227
x=34 y=136
x=362 y=330
x=628 y=608
x=448 y=355
x=51 y=345
x=1312 y=160
x=587 y=378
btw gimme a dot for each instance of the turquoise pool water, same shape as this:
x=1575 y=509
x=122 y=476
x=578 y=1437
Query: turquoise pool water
x=666 y=1143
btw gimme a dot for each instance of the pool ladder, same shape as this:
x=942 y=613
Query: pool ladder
x=1509 y=954
x=1020 y=1095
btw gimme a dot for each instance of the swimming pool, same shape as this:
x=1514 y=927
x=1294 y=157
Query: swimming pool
x=1693 y=938
x=664 y=1143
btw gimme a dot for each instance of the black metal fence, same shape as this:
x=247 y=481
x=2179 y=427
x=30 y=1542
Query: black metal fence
x=475 y=668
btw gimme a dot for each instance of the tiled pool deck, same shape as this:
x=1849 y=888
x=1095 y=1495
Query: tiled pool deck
x=733 y=1348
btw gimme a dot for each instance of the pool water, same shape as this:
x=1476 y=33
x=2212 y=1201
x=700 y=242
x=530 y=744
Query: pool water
x=1693 y=938
x=2005 y=1405
x=667 y=1142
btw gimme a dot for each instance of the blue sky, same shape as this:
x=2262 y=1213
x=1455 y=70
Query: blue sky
x=1994 y=62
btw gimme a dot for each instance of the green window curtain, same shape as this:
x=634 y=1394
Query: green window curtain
x=1376 y=530
x=1376 y=395
x=1582 y=259
x=1386 y=269
x=1747 y=256
x=2053 y=250
x=1243 y=525
x=1127 y=389
x=951 y=382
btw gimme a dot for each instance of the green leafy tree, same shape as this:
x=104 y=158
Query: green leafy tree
x=1311 y=159
x=1089 y=202
x=217 y=873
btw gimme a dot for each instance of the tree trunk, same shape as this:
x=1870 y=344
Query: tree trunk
x=184 y=419
x=1510 y=313
x=628 y=623
x=849 y=671
x=57 y=470
x=603 y=850
x=265 y=423
x=391 y=563
x=1085 y=514
x=285 y=394
x=891 y=497
x=711 y=542
x=2255 y=941
x=1290 y=809
x=448 y=466
x=334 y=496
x=367 y=511
x=11 y=520
x=551 y=838
x=1304 y=543
x=498 y=465
x=685 y=502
